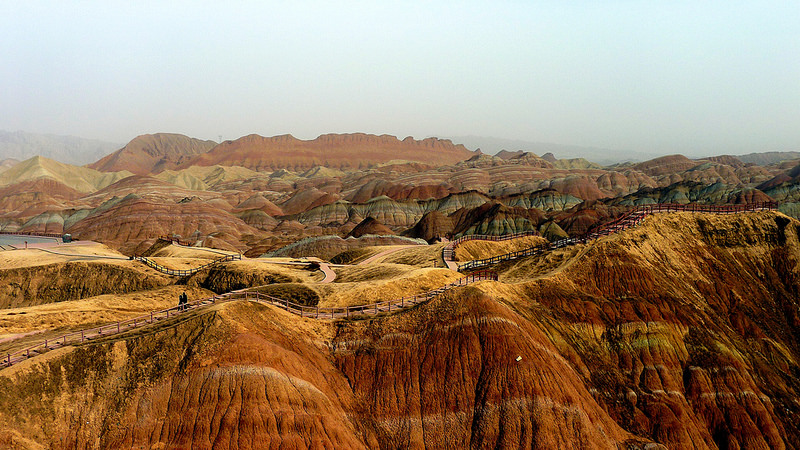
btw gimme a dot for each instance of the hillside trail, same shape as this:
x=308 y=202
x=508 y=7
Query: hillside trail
x=618 y=225
x=170 y=317
x=79 y=256
x=330 y=275
x=628 y=220
x=204 y=249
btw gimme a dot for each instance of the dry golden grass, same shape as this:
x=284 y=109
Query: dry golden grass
x=180 y=263
x=35 y=257
x=478 y=249
x=532 y=267
x=369 y=272
x=94 y=310
x=296 y=272
x=356 y=255
x=319 y=332
x=417 y=256
x=415 y=281
x=177 y=251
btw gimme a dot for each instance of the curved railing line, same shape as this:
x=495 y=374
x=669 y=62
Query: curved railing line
x=448 y=252
x=627 y=220
x=32 y=233
x=184 y=273
x=314 y=312
x=174 y=240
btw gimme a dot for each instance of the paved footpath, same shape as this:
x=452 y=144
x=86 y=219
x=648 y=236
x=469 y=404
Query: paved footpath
x=330 y=275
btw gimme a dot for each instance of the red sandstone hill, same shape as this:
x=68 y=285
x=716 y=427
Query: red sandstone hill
x=153 y=153
x=43 y=186
x=370 y=226
x=665 y=165
x=340 y=151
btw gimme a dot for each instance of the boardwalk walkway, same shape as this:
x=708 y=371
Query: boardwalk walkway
x=313 y=312
x=627 y=220
x=630 y=219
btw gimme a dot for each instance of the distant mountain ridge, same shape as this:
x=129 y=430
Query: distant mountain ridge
x=337 y=151
x=81 y=179
x=603 y=156
x=153 y=153
x=767 y=158
x=67 y=149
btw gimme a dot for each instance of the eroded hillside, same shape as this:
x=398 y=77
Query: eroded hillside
x=682 y=331
x=258 y=194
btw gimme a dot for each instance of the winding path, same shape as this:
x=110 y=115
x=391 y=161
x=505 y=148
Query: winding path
x=330 y=275
x=313 y=312
x=184 y=273
x=630 y=219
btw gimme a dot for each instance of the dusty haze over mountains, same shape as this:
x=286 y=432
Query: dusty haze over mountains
x=305 y=177
x=692 y=78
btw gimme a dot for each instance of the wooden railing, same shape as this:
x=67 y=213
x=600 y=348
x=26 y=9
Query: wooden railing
x=187 y=272
x=315 y=312
x=625 y=221
x=448 y=252
x=175 y=240
x=32 y=233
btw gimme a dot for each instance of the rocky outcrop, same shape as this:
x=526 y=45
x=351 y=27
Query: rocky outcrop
x=431 y=227
x=232 y=276
x=495 y=219
x=28 y=286
x=665 y=165
x=369 y=226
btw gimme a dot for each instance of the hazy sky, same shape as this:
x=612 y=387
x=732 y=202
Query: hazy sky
x=694 y=77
